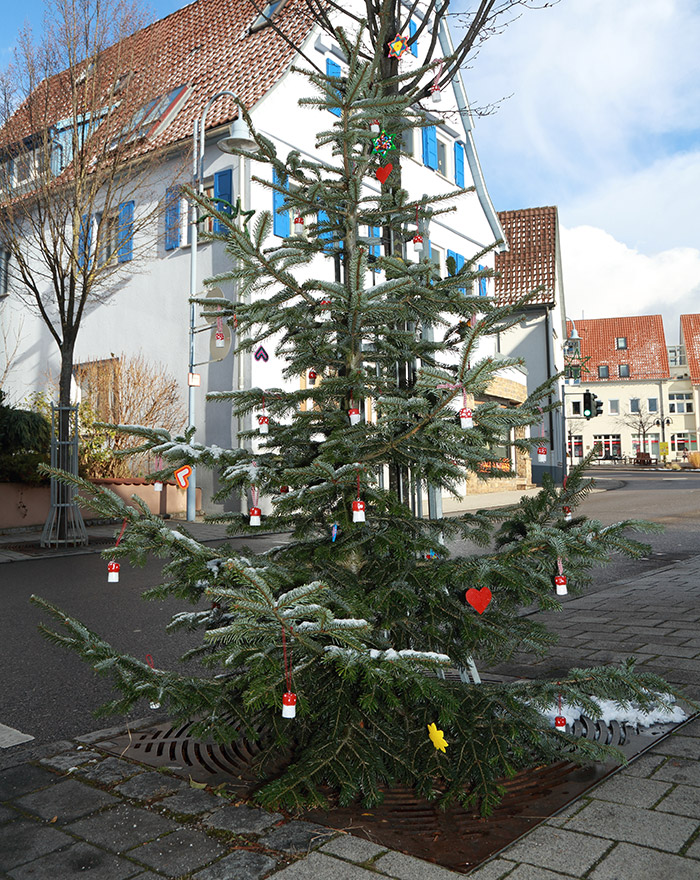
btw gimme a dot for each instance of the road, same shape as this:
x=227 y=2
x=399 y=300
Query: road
x=49 y=693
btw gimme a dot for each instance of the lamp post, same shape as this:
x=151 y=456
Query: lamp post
x=239 y=136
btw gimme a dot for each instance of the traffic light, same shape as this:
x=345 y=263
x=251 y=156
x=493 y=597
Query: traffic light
x=598 y=406
x=587 y=405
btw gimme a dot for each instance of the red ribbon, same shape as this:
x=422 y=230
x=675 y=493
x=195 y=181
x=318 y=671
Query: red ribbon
x=287 y=662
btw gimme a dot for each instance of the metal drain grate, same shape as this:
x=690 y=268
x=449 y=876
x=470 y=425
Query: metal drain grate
x=455 y=838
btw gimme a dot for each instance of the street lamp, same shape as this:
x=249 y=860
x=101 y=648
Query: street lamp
x=239 y=136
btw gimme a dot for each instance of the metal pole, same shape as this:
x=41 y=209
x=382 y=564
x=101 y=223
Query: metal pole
x=196 y=176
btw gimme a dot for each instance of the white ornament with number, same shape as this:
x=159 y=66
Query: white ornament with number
x=358 y=511
x=354 y=415
x=560 y=584
x=417 y=244
x=289 y=705
x=255 y=514
x=157 y=486
x=299 y=227
x=264 y=424
x=112 y=572
x=541 y=454
x=465 y=418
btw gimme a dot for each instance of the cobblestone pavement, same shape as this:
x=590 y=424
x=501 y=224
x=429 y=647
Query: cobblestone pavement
x=67 y=810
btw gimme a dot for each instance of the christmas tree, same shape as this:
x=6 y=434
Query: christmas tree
x=350 y=648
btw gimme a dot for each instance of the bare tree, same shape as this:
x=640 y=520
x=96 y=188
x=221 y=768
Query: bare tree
x=641 y=422
x=73 y=156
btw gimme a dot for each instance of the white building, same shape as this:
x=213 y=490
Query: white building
x=647 y=398
x=209 y=47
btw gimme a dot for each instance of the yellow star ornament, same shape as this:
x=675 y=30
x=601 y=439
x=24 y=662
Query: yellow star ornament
x=437 y=737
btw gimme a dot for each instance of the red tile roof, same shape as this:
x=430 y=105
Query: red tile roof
x=646 y=353
x=207 y=45
x=690 y=337
x=531 y=258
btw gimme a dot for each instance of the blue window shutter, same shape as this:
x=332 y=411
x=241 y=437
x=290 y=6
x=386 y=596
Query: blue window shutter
x=223 y=189
x=459 y=164
x=483 y=283
x=126 y=232
x=459 y=260
x=453 y=254
x=172 y=218
x=411 y=31
x=84 y=240
x=280 y=222
x=333 y=69
x=327 y=236
x=375 y=249
x=430 y=147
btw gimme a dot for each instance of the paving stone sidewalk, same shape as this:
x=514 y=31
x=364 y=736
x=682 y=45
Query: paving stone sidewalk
x=67 y=810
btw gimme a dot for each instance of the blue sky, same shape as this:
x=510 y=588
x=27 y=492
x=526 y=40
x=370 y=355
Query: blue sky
x=596 y=113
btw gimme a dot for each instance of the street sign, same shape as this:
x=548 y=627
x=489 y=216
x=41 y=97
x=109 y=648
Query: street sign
x=663 y=448
x=214 y=293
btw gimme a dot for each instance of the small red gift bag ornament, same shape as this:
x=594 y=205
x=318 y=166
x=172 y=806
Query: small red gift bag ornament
x=560 y=584
x=374 y=126
x=567 y=513
x=299 y=226
x=465 y=418
x=358 y=511
x=284 y=489
x=264 y=424
x=289 y=705
x=312 y=377
x=112 y=572
x=417 y=244
x=560 y=722
x=157 y=486
x=255 y=514
x=541 y=454
x=354 y=415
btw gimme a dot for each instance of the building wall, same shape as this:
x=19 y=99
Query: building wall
x=622 y=426
x=148 y=311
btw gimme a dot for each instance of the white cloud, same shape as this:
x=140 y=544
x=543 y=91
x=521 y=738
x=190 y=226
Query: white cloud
x=604 y=278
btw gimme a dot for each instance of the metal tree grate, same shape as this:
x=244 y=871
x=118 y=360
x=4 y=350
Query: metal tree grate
x=64 y=525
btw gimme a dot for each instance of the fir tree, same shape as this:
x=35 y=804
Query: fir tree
x=363 y=620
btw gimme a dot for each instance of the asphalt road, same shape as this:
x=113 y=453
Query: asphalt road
x=49 y=693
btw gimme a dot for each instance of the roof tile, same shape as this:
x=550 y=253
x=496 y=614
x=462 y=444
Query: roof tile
x=646 y=352
x=690 y=336
x=530 y=261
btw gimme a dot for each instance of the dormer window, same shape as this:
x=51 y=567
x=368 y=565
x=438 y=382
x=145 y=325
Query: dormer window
x=147 y=119
x=268 y=12
x=620 y=342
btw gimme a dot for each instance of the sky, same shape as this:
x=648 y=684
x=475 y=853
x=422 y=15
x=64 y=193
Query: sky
x=594 y=109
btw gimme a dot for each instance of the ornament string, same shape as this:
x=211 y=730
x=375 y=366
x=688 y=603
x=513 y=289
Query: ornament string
x=120 y=534
x=255 y=494
x=450 y=387
x=560 y=566
x=149 y=660
x=358 y=484
x=287 y=662
x=436 y=82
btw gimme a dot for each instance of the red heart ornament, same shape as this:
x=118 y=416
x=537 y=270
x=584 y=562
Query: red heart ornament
x=479 y=599
x=383 y=172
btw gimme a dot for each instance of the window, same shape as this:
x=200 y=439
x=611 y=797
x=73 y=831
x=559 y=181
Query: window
x=575 y=445
x=623 y=371
x=620 y=342
x=333 y=69
x=653 y=404
x=407 y=141
x=572 y=373
x=680 y=403
x=676 y=356
x=607 y=445
x=430 y=147
x=684 y=442
x=634 y=404
x=173 y=217
x=459 y=163
x=603 y=371
x=280 y=216
x=575 y=407
x=147 y=118
x=4 y=272
x=646 y=443
x=437 y=255
x=267 y=14
x=442 y=157
x=116 y=232
x=614 y=407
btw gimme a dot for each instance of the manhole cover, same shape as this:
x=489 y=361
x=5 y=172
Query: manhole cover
x=455 y=838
